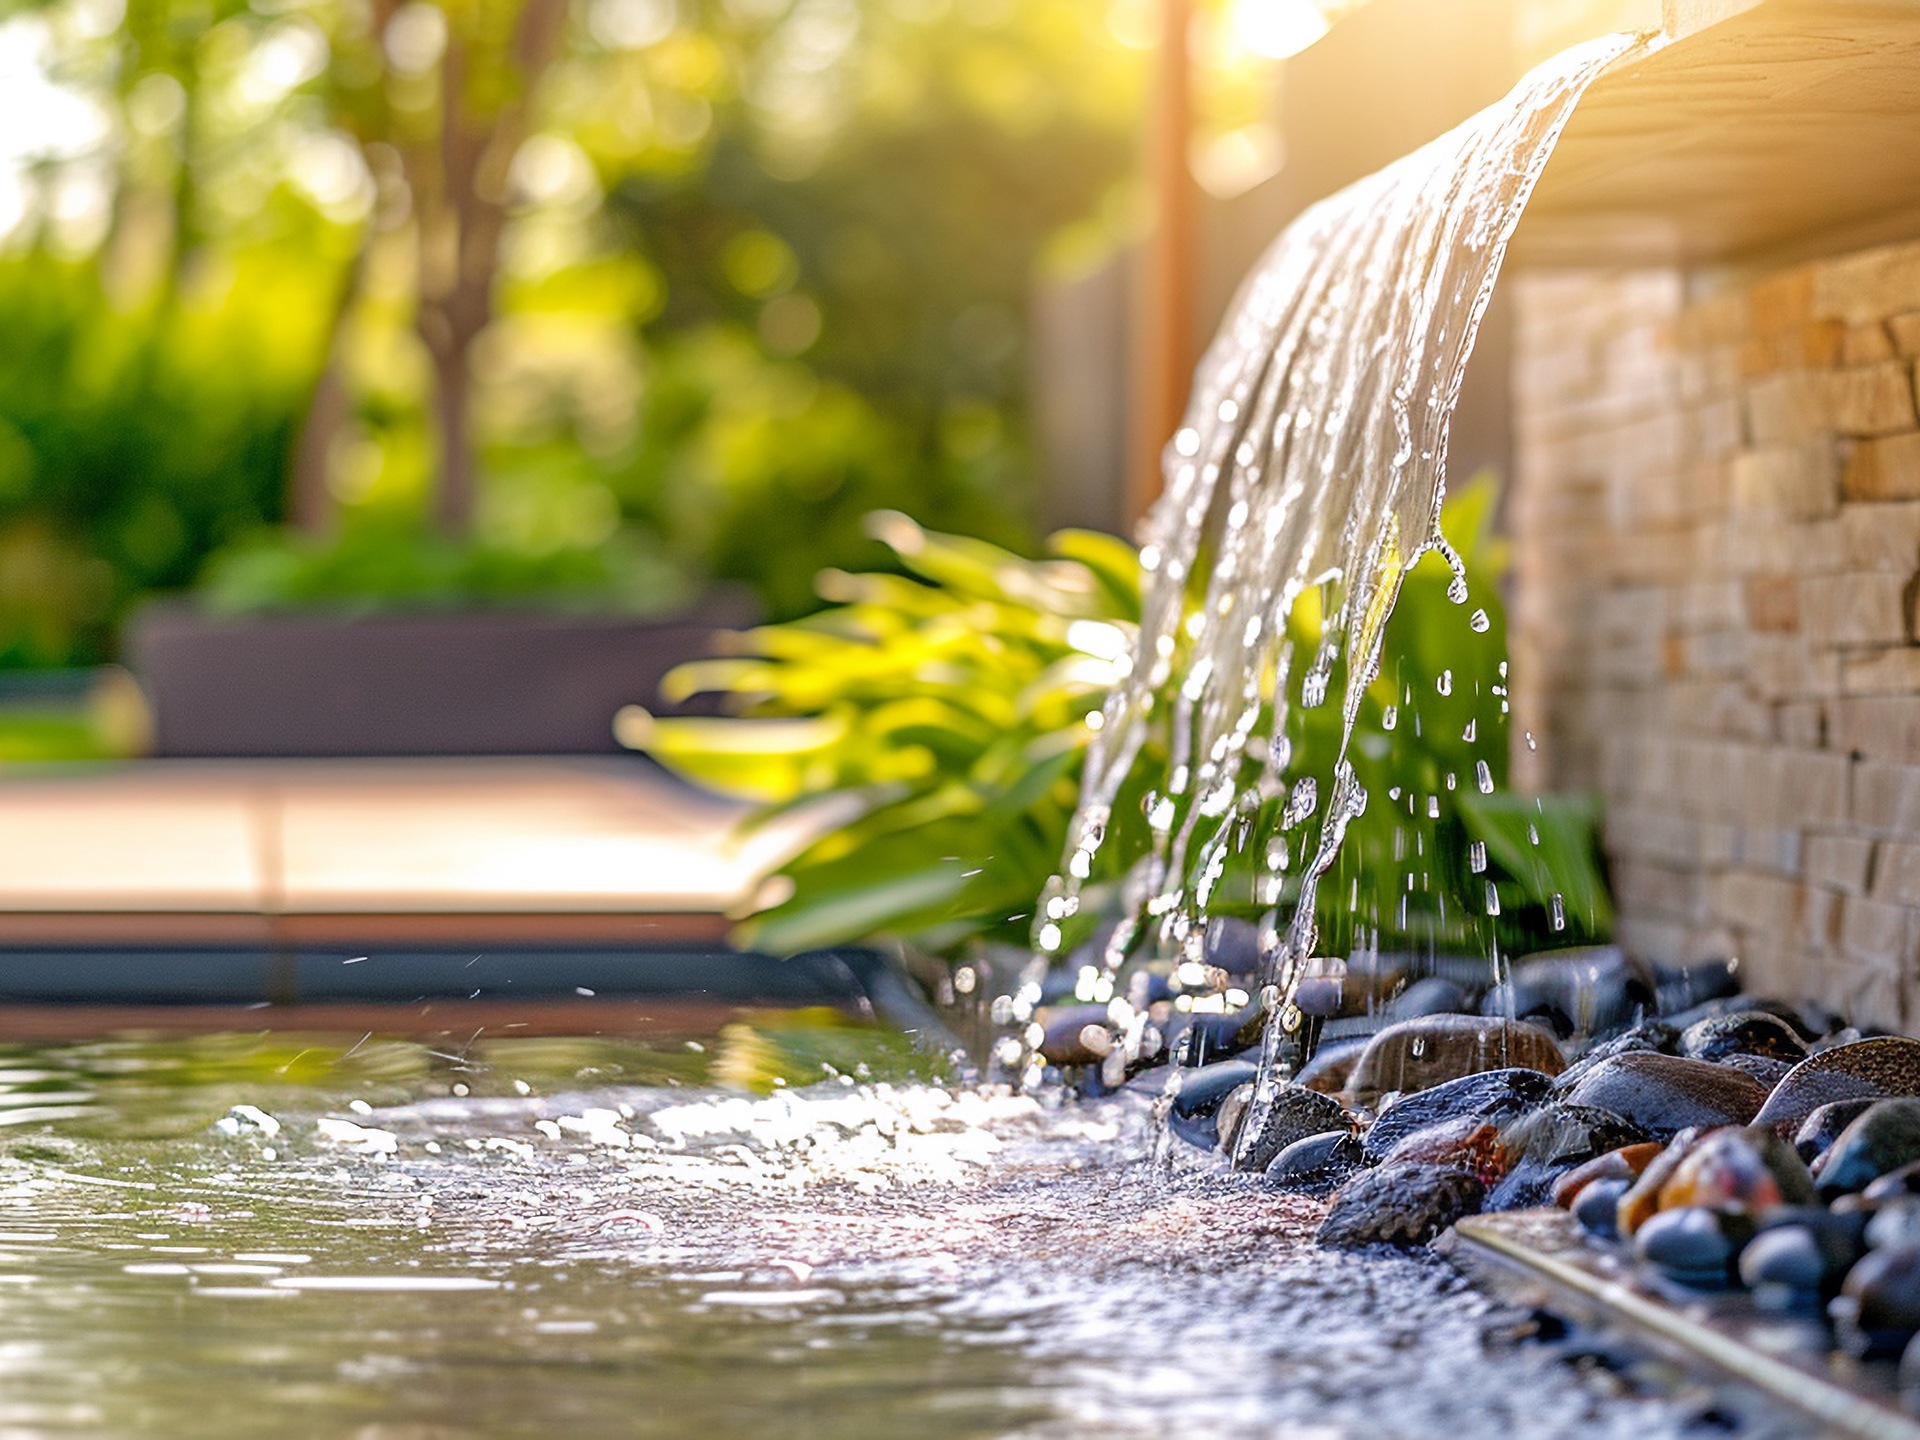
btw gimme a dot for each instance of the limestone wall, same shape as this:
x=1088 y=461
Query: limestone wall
x=1717 y=521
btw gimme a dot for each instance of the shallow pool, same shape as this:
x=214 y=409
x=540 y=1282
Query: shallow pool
x=346 y=1236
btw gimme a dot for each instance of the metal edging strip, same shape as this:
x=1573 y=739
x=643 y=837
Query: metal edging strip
x=1832 y=1405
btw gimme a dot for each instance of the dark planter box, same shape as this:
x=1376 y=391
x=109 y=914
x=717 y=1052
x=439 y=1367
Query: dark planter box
x=419 y=683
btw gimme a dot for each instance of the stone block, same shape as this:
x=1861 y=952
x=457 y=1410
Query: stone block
x=1884 y=798
x=1904 y=330
x=1865 y=344
x=1896 y=873
x=1894 y=671
x=1799 y=480
x=1867 y=285
x=1772 y=603
x=1800 y=724
x=1839 y=862
x=1797 y=405
x=1872 y=930
x=1876 y=727
x=1886 y=468
x=1857 y=609
x=1881 y=537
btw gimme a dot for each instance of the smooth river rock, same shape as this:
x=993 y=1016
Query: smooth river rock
x=1491 y=1095
x=1402 y=1205
x=1744 y=1032
x=1664 y=1094
x=1885 y=1065
x=1419 y=1054
x=1880 y=1140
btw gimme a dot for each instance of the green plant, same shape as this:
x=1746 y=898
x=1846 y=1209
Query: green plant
x=944 y=713
x=383 y=567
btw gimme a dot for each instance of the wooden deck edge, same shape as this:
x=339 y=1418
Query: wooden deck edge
x=252 y=928
x=1495 y=1251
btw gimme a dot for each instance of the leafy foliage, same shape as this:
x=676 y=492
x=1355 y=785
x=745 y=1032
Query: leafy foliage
x=945 y=714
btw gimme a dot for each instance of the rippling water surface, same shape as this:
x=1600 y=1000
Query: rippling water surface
x=258 y=1234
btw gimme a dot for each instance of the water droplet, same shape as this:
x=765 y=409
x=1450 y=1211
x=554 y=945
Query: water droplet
x=1390 y=717
x=1483 y=777
x=1477 y=857
x=1186 y=443
x=1530 y=741
x=1457 y=589
x=1473 y=729
x=1433 y=807
x=1493 y=899
x=1533 y=835
x=1445 y=683
x=1479 y=621
x=1559 y=913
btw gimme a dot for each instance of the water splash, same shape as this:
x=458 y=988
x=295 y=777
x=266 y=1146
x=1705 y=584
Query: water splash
x=1313 y=454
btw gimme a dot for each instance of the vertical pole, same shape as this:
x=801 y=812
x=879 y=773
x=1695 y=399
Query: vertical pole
x=1167 y=283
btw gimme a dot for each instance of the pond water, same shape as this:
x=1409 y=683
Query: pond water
x=255 y=1234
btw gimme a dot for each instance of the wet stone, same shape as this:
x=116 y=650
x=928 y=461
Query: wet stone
x=1820 y=1129
x=1786 y=1269
x=1642 y=1198
x=1434 y=995
x=1294 y=1114
x=1648 y=1036
x=1678 y=986
x=1063 y=1042
x=1403 y=1205
x=1745 y=1032
x=1694 y=1246
x=1588 y=991
x=1332 y=1064
x=1624 y=1164
x=1490 y=1095
x=1894 y=1185
x=1894 y=1225
x=1233 y=945
x=1664 y=1094
x=1883 y=1066
x=1550 y=1142
x=1466 y=1144
x=1881 y=1139
x=1597 y=1207
x=1317 y=1164
x=1202 y=1088
x=1747 y=1169
x=1878 y=1311
x=1769 y=1072
x=1203 y=1039
x=1419 y=1054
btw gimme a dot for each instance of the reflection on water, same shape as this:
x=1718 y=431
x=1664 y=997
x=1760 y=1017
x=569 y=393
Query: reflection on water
x=243 y=1235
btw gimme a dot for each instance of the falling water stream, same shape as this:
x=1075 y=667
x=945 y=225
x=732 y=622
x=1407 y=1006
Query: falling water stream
x=1313 y=454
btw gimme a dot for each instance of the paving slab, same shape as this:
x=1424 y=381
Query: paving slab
x=240 y=852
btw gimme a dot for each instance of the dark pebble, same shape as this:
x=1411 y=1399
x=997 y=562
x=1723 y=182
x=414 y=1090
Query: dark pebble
x=1769 y=1072
x=1886 y=1065
x=1403 y=1205
x=1664 y=1094
x=1881 y=1139
x=1435 y=995
x=1799 y=1257
x=1062 y=1044
x=1490 y=1095
x=1878 y=1310
x=1745 y=1032
x=1592 y=990
x=1649 y=1035
x=1894 y=1185
x=1203 y=1087
x=1316 y=1164
x=1332 y=1063
x=1550 y=1142
x=1293 y=1114
x=1598 y=1207
x=1678 y=986
x=1202 y=1039
x=1820 y=1129
x=1894 y=1226
x=1420 y=1054
x=1694 y=1246
x=1233 y=945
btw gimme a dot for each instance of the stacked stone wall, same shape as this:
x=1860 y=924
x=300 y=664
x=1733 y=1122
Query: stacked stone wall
x=1717 y=525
